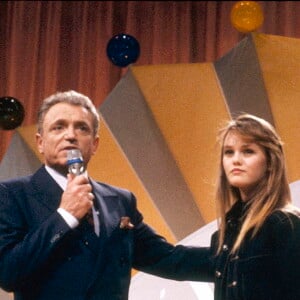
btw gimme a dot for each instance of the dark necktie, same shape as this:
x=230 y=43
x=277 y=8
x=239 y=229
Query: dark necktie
x=90 y=218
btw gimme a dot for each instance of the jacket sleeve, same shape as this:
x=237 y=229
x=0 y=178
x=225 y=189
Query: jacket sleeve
x=23 y=249
x=154 y=255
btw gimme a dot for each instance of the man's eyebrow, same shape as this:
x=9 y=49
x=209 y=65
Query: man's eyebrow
x=82 y=122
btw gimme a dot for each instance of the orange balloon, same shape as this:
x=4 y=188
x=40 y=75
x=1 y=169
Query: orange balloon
x=246 y=16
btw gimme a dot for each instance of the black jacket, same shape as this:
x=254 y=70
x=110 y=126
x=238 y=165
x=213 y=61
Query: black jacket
x=266 y=267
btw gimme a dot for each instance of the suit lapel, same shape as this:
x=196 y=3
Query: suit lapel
x=109 y=208
x=46 y=190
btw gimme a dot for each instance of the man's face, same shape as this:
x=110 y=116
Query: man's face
x=66 y=127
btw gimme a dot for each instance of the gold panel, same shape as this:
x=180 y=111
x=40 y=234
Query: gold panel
x=189 y=108
x=279 y=59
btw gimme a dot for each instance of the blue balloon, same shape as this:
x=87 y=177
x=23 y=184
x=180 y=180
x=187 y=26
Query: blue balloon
x=11 y=113
x=123 y=50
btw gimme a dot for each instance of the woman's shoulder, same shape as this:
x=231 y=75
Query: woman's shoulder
x=287 y=213
x=284 y=220
x=283 y=227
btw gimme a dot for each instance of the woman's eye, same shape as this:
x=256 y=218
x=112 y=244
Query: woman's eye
x=228 y=152
x=248 y=151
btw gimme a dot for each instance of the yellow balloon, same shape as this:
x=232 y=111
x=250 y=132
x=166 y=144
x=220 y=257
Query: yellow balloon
x=246 y=16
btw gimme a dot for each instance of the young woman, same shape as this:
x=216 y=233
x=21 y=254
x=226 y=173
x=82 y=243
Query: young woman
x=255 y=254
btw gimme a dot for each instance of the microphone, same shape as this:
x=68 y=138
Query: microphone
x=76 y=167
x=75 y=162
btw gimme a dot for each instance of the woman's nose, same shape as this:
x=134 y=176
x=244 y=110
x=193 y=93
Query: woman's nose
x=236 y=157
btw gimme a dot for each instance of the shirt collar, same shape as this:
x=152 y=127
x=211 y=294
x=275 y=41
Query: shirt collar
x=59 y=178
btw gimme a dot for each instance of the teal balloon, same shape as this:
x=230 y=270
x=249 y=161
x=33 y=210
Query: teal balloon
x=11 y=113
x=123 y=50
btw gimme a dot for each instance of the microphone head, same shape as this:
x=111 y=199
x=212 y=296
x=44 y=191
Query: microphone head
x=75 y=162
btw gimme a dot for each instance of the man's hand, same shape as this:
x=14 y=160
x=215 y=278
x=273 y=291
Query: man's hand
x=77 y=199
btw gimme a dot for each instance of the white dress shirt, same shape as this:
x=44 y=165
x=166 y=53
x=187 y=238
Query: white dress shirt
x=69 y=218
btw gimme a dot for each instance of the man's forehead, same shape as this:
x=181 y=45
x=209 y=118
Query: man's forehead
x=67 y=113
x=65 y=108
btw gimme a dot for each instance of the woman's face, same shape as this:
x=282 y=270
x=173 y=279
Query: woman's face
x=244 y=163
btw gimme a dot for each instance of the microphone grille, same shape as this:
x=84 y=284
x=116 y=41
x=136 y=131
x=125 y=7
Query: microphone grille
x=75 y=162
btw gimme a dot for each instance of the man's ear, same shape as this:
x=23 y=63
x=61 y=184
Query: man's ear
x=95 y=144
x=39 y=142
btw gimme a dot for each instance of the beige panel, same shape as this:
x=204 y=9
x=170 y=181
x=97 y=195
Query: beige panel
x=279 y=58
x=188 y=107
x=18 y=160
x=28 y=134
x=241 y=79
x=111 y=166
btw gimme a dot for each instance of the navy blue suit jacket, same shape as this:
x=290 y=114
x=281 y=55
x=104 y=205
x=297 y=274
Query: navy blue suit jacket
x=42 y=258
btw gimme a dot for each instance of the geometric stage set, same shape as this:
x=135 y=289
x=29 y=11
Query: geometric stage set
x=158 y=139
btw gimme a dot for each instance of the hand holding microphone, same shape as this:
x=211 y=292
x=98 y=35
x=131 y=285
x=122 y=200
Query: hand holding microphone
x=77 y=199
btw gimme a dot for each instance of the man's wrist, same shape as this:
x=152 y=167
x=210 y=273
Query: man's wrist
x=69 y=218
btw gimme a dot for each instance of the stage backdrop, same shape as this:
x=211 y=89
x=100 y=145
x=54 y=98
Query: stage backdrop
x=158 y=139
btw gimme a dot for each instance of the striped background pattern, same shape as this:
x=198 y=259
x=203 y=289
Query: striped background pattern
x=159 y=125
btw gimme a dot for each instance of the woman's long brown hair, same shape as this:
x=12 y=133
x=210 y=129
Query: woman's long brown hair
x=271 y=193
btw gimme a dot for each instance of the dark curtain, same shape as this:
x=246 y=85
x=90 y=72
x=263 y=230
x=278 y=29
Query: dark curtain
x=46 y=46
